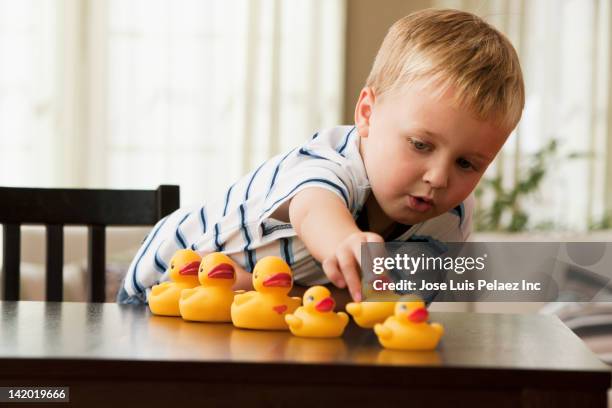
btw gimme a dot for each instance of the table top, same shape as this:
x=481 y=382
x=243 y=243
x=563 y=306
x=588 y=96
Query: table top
x=98 y=338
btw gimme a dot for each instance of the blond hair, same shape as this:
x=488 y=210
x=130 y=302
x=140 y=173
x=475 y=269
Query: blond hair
x=455 y=50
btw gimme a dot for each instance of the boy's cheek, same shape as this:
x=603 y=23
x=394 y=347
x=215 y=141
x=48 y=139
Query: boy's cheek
x=455 y=199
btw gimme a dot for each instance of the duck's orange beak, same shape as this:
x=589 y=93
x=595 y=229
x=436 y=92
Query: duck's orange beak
x=279 y=280
x=418 y=315
x=190 y=269
x=222 y=271
x=325 y=305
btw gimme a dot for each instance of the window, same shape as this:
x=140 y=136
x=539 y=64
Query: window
x=28 y=92
x=133 y=94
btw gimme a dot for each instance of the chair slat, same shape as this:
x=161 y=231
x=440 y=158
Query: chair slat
x=11 y=249
x=55 y=262
x=167 y=198
x=96 y=261
x=85 y=207
x=55 y=208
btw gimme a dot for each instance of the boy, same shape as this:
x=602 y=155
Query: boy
x=445 y=91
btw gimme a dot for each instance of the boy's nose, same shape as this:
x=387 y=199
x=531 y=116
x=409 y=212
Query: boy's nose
x=436 y=177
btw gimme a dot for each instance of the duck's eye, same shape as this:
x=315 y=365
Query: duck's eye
x=310 y=298
x=172 y=266
x=403 y=307
x=255 y=276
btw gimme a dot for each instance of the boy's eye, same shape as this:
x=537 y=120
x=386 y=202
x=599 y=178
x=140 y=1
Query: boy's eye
x=418 y=145
x=464 y=164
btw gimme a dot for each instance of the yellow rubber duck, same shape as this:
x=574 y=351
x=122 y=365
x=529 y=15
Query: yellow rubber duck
x=265 y=307
x=374 y=309
x=408 y=328
x=164 y=298
x=367 y=314
x=210 y=302
x=317 y=318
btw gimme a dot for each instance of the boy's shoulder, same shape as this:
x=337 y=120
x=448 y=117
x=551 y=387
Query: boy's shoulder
x=330 y=160
x=337 y=138
x=335 y=148
x=338 y=145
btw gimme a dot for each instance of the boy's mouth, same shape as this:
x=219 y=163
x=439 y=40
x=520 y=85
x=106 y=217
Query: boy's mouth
x=420 y=204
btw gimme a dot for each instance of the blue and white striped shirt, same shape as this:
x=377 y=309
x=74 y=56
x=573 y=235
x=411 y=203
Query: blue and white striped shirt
x=241 y=226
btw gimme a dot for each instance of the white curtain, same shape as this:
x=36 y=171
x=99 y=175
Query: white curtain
x=28 y=91
x=132 y=94
x=564 y=50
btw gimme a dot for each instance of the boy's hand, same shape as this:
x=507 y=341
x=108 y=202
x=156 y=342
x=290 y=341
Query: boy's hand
x=343 y=267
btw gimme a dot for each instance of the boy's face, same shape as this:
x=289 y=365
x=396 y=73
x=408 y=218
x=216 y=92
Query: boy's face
x=423 y=155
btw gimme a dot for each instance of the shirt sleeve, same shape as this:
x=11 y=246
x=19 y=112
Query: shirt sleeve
x=323 y=168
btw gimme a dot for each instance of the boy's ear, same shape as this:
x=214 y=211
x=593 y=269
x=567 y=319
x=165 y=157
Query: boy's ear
x=363 y=111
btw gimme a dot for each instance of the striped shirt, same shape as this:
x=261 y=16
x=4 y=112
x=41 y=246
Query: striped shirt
x=240 y=223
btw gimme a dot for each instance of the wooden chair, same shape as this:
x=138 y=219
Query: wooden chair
x=58 y=207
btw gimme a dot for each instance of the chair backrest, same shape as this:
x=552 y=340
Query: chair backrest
x=58 y=207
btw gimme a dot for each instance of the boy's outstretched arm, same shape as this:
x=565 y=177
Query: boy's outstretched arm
x=331 y=235
x=244 y=280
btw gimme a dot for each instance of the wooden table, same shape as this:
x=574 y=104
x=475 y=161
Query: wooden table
x=109 y=354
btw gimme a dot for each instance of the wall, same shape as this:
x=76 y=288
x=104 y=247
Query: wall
x=367 y=23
